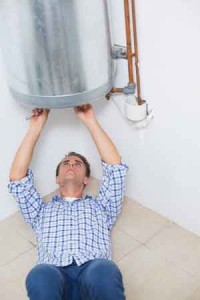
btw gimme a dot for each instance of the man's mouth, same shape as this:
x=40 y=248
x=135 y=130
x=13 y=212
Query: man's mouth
x=70 y=171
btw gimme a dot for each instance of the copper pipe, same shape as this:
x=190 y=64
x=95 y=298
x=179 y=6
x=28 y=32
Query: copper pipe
x=136 y=52
x=128 y=41
x=117 y=90
x=130 y=53
x=114 y=90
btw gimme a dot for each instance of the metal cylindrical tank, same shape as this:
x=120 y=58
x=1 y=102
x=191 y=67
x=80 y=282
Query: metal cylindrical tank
x=57 y=53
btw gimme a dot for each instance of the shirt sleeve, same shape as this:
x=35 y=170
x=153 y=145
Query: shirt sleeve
x=28 y=199
x=112 y=189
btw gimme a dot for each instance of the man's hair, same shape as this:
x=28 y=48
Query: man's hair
x=84 y=160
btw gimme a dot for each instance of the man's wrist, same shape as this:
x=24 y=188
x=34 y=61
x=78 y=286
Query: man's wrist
x=34 y=130
x=91 y=123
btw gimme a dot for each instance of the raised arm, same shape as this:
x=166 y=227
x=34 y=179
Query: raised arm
x=105 y=146
x=24 y=153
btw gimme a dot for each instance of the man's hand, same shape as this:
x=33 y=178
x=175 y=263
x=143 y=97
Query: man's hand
x=39 y=118
x=85 y=113
x=104 y=144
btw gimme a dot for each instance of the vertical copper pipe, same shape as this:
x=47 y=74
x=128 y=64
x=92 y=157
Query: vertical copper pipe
x=130 y=53
x=128 y=41
x=136 y=52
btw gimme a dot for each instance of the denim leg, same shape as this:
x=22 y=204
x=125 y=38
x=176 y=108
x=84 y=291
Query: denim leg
x=45 y=282
x=102 y=280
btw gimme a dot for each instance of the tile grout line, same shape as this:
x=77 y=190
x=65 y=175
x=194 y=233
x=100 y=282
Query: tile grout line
x=29 y=241
x=157 y=233
x=119 y=228
x=130 y=251
x=146 y=241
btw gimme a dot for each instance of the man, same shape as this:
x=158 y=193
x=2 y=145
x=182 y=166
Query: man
x=72 y=231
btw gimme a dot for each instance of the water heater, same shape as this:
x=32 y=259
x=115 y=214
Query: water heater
x=57 y=54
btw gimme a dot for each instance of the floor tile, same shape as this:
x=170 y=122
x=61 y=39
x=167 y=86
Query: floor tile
x=195 y=295
x=16 y=223
x=122 y=244
x=179 y=246
x=27 y=233
x=12 y=276
x=11 y=223
x=148 y=276
x=140 y=222
x=12 y=245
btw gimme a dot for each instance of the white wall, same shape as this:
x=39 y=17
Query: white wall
x=164 y=158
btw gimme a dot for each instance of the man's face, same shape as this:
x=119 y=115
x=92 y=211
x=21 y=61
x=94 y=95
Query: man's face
x=72 y=169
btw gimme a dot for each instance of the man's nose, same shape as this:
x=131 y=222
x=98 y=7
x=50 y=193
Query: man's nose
x=71 y=164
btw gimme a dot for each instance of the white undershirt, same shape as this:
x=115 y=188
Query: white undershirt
x=70 y=199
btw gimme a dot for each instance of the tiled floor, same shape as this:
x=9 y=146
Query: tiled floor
x=158 y=259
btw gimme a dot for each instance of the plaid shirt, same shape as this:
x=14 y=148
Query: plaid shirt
x=79 y=229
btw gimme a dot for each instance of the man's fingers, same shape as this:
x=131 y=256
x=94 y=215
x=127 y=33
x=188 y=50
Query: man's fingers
x=79 y=108
x=83 y=107
x=39 y=111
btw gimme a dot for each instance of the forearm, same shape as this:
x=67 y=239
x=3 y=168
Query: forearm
x=24 y=154
x=104 y=144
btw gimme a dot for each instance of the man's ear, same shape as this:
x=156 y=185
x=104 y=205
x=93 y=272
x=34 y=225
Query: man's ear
x=86 y=180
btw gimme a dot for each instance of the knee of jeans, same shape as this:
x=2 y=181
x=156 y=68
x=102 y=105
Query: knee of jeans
x=102 y=269
x=42 y=274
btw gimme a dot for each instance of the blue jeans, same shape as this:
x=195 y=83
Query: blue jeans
x=98 y=279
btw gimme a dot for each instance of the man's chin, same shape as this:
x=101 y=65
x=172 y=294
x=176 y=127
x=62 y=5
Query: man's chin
x=69 y=176
x=70 y=181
